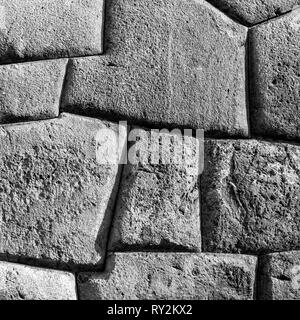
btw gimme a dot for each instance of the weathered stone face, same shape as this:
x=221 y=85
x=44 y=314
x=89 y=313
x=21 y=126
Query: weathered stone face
x=280 y=276
x=158 y=205
x=166 y=62
x=250 y=196
x=18 y=282
x=171 y=276
x=254 y=11
x=275 y=78
x=39 y=29
x=31 y=91
x=55 y=199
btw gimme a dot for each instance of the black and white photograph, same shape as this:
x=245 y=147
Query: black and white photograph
x=149 y=153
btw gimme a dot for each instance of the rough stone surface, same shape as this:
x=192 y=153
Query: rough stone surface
x=250 y=196
x=171 y=276
x=31 y=91
x=255 y=11
x=18 y=282
x=166 y=62
x=275 y=77
x=38 y=29
x=158 y=205
x=280 y=276
x=55 y=198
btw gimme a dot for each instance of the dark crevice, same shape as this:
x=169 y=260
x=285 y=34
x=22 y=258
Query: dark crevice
x=47 y=263
x=19 y=61
x=64 y=85
x=154 y=249
x=77 y=286
x=271 y=19
x=229 y=15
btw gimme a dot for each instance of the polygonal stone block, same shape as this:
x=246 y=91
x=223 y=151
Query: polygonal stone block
x=250 y=197
x=275 y=78
x=175 y=276
x=158 y=202
x=255 y=11
x=166 y=62
x=279 y=277
x=31 y=91
x=56 y=199
x=39 y=29
x=19 y=282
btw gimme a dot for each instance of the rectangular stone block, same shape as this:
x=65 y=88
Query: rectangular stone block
x=31 y=91
x=166 y=62
x=19 y=282
x=56 y=199
x=280 y=276
x=250 y=197
x=275 y=78
x=39 y=29
x=158 y=202
x=177 y=276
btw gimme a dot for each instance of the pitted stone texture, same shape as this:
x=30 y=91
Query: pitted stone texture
x=275 y=78
x=158 y=203
x=279 y=277
x=55 y=198
x=18 y=282
x=175 y=276
x=166 y=62
x=31 y=91
x=37 y=29
x=250 y=197
x=254 y=11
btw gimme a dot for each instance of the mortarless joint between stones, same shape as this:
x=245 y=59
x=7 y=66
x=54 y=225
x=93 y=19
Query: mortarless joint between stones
x=149 y=150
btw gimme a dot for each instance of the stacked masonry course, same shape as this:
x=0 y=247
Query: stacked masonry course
x=73 y=68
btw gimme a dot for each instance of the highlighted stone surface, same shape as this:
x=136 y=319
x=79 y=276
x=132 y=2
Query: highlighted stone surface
x=38 y=29
x=171 y=276
x=19 y=282
x=254 y=11
x=280 y=276
x=166 y=62
x=56 y=199
x=158 y=205
x=250 y=197
x=275 y=78
x=31 y=91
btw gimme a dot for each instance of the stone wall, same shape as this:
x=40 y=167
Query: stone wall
x=71 y=228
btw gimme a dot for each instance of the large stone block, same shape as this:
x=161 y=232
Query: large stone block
x=280 y=276
x=176 y=276
x=38 y=29
x=19 y=282
x=255 y=11
x=31 y=91
x=166 y=62
x=56 y=200
x=250 y=197
x=275 y=77
x=158 y=204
